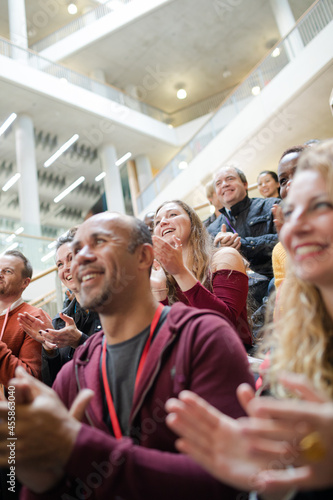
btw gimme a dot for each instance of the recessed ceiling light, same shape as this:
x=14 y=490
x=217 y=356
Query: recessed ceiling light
x=256 y=90
x=181 y=94
x=61 y=150
x=123 y=159
x=276 y=52
x=11 y=182
x=182 y=165
x=72 y=8
x=100 y=176
x=6 y=124
x=69 y=189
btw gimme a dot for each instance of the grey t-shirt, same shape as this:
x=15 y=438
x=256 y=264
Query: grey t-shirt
x=122 y=361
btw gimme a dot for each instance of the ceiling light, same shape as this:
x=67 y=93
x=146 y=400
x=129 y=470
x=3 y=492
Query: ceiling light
x=182 y=165
x=100 y=176
x=181 y=94
x=11 y=247
x=10 y=238
x=72 y=8
x=52 y=244
x=7 y=123
x=19 y=230
x=123 y=159
x=61 y=150
x=69 y=189
x=11 y=182
x=256 y=90
x=47 y=256
x=276 y=52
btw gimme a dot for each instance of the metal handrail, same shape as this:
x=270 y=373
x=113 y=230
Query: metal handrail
x=79 y=23
x=318 y=16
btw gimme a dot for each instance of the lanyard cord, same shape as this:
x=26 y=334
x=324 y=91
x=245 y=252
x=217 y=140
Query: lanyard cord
x=4 y=324
x=229 y=224
x=109 y=400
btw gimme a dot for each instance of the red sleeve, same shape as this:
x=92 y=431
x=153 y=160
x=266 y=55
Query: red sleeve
x=230 y=289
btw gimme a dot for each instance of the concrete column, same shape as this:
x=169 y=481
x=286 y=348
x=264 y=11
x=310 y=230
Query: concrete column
x=285 y=21
x=112 y=180
x=17 y=23
x=28 y=182
x=143 y=169
x=133 y=184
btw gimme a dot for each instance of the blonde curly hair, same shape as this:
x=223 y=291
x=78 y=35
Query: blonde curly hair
x=201 y=250
x=301 y=337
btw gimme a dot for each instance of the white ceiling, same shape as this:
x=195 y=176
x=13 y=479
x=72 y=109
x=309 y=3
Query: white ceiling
x=192 y=42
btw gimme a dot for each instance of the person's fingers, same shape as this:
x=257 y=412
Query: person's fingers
x=68 y=320
x=290 y=478
x=80 y=404
x=224 y=228
x=36 y=385
x=177 y=242
x=301 y=386
x=245 y=393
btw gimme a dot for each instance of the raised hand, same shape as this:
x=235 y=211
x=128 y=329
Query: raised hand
x=67 y=336
x=33 y=327
x=227 y=239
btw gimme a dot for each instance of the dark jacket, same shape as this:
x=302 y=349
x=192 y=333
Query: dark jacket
x=194 y=349
x=252 y=219
x=86 y=321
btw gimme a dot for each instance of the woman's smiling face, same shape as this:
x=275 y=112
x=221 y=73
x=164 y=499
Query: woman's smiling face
x=172 y=220
x=307 y=233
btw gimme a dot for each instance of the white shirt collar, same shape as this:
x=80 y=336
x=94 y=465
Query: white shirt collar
x=15 y=304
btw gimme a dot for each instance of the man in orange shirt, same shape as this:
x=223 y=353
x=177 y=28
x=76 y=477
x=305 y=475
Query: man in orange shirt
x=16 y=347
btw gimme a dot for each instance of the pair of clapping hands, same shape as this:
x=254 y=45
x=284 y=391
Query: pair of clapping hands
x=281 y=445
x=41 y=329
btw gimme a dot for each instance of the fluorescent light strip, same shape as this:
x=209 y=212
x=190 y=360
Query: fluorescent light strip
x=123 y=159
x=69 y=189
x=61 y=150
x=7 y=123
x=47 y=256
x=19 y=230
x=100 y=176
x=11 y=182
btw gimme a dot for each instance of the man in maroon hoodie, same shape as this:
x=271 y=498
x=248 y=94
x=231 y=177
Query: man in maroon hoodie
x=145 y=354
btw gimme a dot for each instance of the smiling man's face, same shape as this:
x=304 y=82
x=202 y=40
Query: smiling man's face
x=230 y=187
x=101 y=261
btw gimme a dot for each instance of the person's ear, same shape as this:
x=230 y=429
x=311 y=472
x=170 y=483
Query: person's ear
x=25 y=283
x=146 y=256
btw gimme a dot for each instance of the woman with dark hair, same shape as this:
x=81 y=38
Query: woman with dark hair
x=268 y=184
x=188 y=270
x=69 y=328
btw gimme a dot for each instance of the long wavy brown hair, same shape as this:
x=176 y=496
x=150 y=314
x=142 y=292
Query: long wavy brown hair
x=301 y=339
x=199 y=256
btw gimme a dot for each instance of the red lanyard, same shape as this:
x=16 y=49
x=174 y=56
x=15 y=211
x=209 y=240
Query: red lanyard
x=109 y=400
x=4 y=324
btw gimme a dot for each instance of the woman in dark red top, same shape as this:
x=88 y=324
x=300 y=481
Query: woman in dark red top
x=193 y=274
